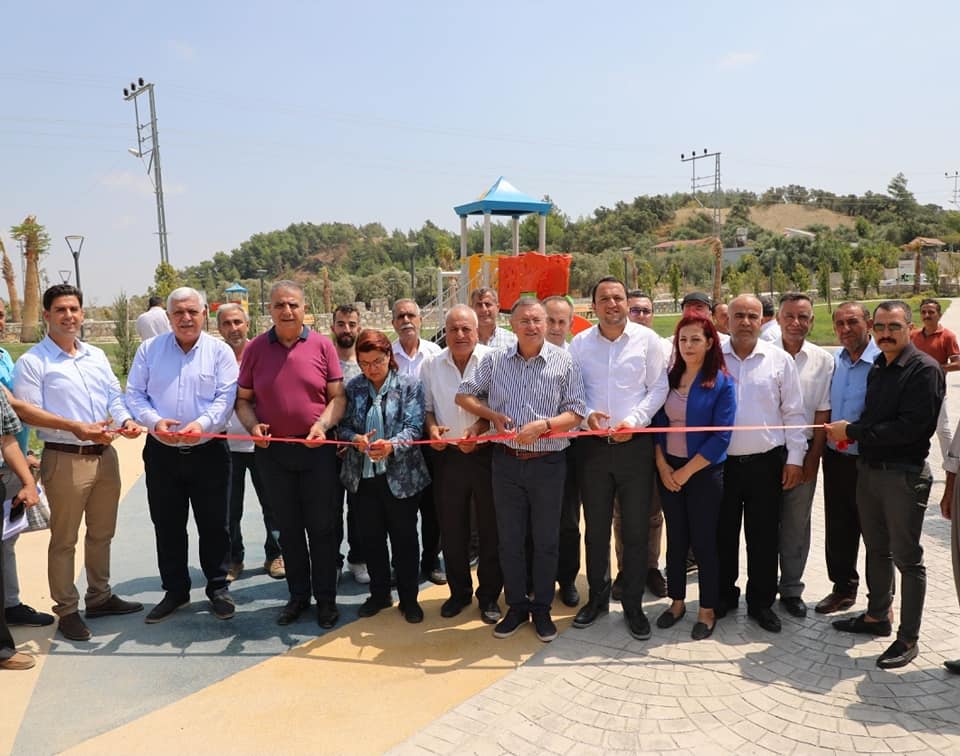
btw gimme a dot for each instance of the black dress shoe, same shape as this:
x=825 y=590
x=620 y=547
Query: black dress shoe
x=490 y=612
x=327 y=614
x=569 y=595
x=953 y=666
x=766 y=619
x=292 y=611
x=860 y=626
x=637 y=623
x=655 y=583
x=702 y=631
x=668 y=619
x=167 y=606
x=590 y=613
x=374 y=604
x=898 y=655
x=794 y=606
x=453 y=606
x=412 y=613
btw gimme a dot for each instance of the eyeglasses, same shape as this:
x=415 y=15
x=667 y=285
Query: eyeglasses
x=640 y=310
x=888 y=327
x=184 y=313
x=372 y=364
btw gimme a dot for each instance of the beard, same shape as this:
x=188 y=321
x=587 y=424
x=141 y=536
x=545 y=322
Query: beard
x=346 y=340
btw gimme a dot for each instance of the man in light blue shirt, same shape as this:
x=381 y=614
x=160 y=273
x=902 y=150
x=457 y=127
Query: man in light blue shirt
x=852 y=324
x=67 y=389
x=183 y=384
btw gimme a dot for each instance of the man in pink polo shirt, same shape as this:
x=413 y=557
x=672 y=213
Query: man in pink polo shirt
x=291 y=386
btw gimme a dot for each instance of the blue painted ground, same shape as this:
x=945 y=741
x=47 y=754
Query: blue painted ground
x=139 y=668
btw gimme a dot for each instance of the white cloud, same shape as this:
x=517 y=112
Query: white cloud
x=181 y=50
x=739 y=59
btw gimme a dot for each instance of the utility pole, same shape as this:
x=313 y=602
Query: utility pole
x=955 y=176
x=705 y=182
x=147 y=144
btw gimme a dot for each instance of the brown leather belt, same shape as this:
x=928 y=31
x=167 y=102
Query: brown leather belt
x=94 y=449
x=516 y=453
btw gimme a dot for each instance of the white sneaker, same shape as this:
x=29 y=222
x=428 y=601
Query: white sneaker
x=359 y=572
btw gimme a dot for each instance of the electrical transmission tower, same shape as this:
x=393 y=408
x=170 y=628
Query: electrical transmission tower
x=147 y=144
x=699 y=183
x=955 y=177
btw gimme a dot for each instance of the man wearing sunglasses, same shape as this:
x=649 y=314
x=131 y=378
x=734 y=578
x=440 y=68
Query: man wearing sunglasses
x=905 y=389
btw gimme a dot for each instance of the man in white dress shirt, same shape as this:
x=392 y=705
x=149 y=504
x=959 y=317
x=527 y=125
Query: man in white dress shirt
x=154 y=321
x=761 y=463
x=815 y=366
x=625 y=379
x=461 y=471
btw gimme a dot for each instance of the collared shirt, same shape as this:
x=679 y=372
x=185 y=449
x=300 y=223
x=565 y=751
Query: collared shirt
x=407 y=365
x=770 y=331
x=501 y=338
x=547 y=384
x=80 y=386
x=290 y=383
x=768 y=393
x=6 y=378
x=152 y=323
x=941 y=344
x=626 y=378
x=848 y=389
x=199 y=385
x=9 y=422
x=900 y=409
x=815 y=366
x=235 y=428
x=441 y=378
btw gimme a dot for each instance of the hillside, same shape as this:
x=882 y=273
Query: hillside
x=775 y=218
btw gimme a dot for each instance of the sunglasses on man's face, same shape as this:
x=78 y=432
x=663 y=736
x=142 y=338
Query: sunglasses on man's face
x=640 y=310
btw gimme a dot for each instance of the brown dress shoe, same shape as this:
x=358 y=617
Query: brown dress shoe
x=18 y=661
x=835 y=602
x=114 y=605
x=73 y=628
x=655 y=583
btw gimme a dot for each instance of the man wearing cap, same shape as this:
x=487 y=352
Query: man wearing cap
x=699 y=304
x=904 y=391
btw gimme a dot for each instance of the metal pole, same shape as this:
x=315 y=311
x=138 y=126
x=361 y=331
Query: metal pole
x=161 y=213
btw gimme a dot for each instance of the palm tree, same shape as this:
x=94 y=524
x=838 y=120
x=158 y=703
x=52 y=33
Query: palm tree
x=10 y=277
x=36 y=241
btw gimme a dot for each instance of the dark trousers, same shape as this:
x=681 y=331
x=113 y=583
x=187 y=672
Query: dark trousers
x=240 y=462
x=459 y=480
x=693 y=514
x=429 y=522
x=625 y=471
x=301 y=492
x=179 y=478
x=892 y=520
x=380 y=515
x=568 y=564
x=7 y=647
x=527 y=494
x=841 y=521
x=752 y=492
x=354 y=545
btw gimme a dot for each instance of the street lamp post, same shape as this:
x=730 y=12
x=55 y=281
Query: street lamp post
x=412 y=246
x=76 y=239
x=261 y=272
x=65 y=276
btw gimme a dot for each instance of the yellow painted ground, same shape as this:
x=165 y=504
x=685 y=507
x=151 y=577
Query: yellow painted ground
x=17 y=687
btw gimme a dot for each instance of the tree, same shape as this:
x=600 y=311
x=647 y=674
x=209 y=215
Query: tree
x=823 y=281
x=36 y=241
x=126 y=337
x=800 y=277
x=676 y=278
x=845 y=263
x=646 y=277
x=11 y=279
x=165 y=280
x=780 y=281
x=931 y=269
x=871 y=271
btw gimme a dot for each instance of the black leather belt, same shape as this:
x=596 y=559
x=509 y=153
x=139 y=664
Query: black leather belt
x=517 y=454
x=92 y=449
x=745 y=458
x=896 y=466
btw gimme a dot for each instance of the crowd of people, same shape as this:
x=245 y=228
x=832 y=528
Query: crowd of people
x=715 y=431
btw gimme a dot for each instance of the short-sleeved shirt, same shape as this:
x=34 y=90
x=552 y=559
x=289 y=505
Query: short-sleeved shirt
x=815 y=367
x=407 y=365
x=941 y=344
x=289 y=383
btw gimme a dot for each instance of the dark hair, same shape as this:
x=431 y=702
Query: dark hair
x=895 y=304
x=346 y=309
x=155 y=301
x=713 y=308
x=930 y=300
x=477 y=294
x=606 y=279
x=61 y=290
x=372 y=340
x=638 y=294
x=766 y=307
x=713 y=361
x=795 y=296
x=859 y=305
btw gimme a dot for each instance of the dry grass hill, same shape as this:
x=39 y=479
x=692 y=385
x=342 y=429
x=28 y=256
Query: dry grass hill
x=777 y=217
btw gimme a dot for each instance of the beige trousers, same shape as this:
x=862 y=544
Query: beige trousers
x=80 y=487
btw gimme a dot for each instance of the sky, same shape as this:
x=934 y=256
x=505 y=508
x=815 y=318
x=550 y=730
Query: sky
x=282 y=112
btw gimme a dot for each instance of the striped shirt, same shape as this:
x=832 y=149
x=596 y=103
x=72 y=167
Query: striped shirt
x=546 y=385
x=501 y=338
